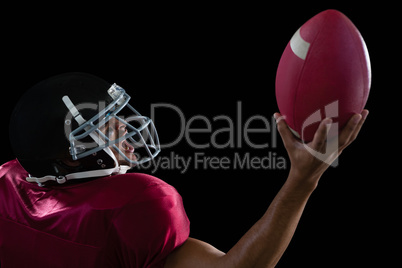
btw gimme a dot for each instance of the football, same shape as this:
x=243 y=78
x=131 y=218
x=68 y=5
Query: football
x=323 y=72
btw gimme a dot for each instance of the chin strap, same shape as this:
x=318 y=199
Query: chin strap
x=80 y=175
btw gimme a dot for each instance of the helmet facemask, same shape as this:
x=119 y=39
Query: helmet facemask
x=97 y=133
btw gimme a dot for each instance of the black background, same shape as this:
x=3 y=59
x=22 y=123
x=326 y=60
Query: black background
x=204 y=58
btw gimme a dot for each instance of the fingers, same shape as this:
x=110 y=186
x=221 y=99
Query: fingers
x=349 y=129
x=364 y=115
x=287 y=137
x=352 y=129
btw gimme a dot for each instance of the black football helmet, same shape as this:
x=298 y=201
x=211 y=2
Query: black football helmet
x=65 y=117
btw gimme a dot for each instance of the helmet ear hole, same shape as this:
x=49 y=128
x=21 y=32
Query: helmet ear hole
x=71 y=163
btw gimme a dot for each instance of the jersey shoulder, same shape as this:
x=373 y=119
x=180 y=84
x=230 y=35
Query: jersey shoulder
x=122 y=190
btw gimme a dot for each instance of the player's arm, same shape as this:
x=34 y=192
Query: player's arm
x=264 y=244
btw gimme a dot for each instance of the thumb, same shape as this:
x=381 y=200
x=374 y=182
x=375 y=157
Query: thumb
x=287 y=136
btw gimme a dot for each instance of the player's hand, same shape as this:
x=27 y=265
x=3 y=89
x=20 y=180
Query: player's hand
x=309 y=161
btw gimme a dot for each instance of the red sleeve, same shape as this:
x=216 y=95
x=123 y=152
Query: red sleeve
x=151 y=226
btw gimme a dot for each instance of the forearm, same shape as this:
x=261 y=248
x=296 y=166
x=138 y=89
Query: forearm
x=264 y=244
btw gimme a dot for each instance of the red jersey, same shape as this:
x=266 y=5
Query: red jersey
x=130 y=220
